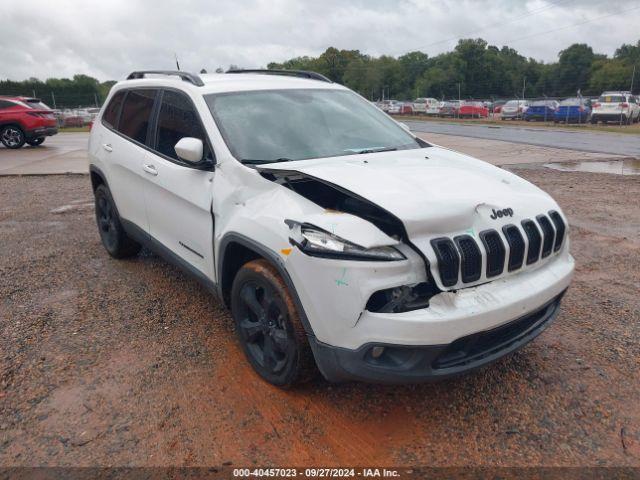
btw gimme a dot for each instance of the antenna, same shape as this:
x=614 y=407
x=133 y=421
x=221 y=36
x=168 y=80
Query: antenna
x=177 y=64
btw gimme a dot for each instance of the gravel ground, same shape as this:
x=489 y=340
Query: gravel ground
x=107 y=362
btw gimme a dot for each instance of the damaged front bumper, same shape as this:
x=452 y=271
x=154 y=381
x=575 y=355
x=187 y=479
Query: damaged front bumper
x=384 y=363
x=428 y=343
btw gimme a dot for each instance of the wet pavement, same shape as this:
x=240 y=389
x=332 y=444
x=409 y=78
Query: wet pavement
x=617 y=167
x=585 y=141
x=61 y=153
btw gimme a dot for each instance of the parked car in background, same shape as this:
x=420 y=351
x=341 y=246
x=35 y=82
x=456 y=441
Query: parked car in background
x=514 y=109
x=393 y=107
x=573 y=110
x=74 y=121
x=25 y=120
x=449 y=108
x=497 y=106
x=617 y=107
x=407 y=108
x=426 y=106
x=383 y=105
x=469 y=109
x=541 y=110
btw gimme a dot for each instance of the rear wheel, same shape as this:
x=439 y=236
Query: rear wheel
x=114 y=238
x=269 y=327
x=34 y=142
x=12 y=136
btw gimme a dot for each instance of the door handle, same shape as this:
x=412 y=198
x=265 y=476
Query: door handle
x=147 y=167
x=107 y=147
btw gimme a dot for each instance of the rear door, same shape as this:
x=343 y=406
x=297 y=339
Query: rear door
x=179 y=195
x=125 y=149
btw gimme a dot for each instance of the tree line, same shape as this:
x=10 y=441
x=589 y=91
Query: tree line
x=81 y=90
x=475 y=69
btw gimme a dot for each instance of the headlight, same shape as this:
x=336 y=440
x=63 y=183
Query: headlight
x=319 y=243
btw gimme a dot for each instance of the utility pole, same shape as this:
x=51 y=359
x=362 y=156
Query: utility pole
x=524 y=85
x=459 y=101
x=53 y=98
x=632 y=78
x=95 y=98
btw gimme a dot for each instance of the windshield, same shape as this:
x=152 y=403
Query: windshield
x=571 y=102
x=514 y=103
x=281 y=125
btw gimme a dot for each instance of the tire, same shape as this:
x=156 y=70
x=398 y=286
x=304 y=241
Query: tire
x=114 y=239
x=34 y=142
x=268 y=326
x=12 y=136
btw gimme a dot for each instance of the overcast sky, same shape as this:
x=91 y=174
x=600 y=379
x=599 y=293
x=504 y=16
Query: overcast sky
x=109 y=38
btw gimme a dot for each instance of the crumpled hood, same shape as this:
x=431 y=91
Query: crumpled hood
x=431 y=190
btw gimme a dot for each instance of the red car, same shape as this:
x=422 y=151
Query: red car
x=25 y=120
x=473 y=110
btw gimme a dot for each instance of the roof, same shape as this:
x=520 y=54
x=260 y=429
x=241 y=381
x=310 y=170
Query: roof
x=222 y=82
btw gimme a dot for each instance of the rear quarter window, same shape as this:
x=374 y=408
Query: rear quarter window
x=112 y=111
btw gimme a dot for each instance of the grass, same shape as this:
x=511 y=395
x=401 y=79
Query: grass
x=72 y=129
x=633 y=129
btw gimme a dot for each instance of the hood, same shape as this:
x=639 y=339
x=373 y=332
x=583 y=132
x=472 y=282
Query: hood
x=431 y=190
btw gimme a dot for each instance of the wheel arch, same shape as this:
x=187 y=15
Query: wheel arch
x=12 y=123
x=97 y=177
x=236 y=250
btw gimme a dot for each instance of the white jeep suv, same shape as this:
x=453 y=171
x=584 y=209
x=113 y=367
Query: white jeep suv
x=337 y=238
x=617 y=107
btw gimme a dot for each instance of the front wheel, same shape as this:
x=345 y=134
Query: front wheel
x=269 y=327
x=34 y=142
x=12 y=137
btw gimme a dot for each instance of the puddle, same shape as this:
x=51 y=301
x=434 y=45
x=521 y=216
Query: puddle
x=619 y=167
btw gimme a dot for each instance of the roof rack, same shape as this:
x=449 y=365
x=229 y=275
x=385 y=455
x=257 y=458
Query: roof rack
x=293 y=73
x=186 y=76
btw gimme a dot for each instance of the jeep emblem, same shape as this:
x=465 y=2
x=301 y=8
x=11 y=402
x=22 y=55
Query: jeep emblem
x=505 y=212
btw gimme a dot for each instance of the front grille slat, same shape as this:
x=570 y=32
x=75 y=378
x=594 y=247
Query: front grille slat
x=535 y=241
x=516 y=246
x=548 y=235
x=470 y=258
x=560 y=229
x=448 y=260
x=495 y=252
x=460 y=259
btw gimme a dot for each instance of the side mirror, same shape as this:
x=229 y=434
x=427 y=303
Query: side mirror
x=190 y=149
x=405 y=126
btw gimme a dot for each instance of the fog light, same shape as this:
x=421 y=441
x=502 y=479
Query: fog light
x=376 y=352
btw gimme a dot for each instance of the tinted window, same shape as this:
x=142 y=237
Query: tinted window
x=177 y=119
x=136 y=113
x=6 y=104
x=110 y=117
x=611 y=99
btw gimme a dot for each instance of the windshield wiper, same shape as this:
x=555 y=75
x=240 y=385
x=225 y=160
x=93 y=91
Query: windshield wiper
x=250 y=161
x=358 y=151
